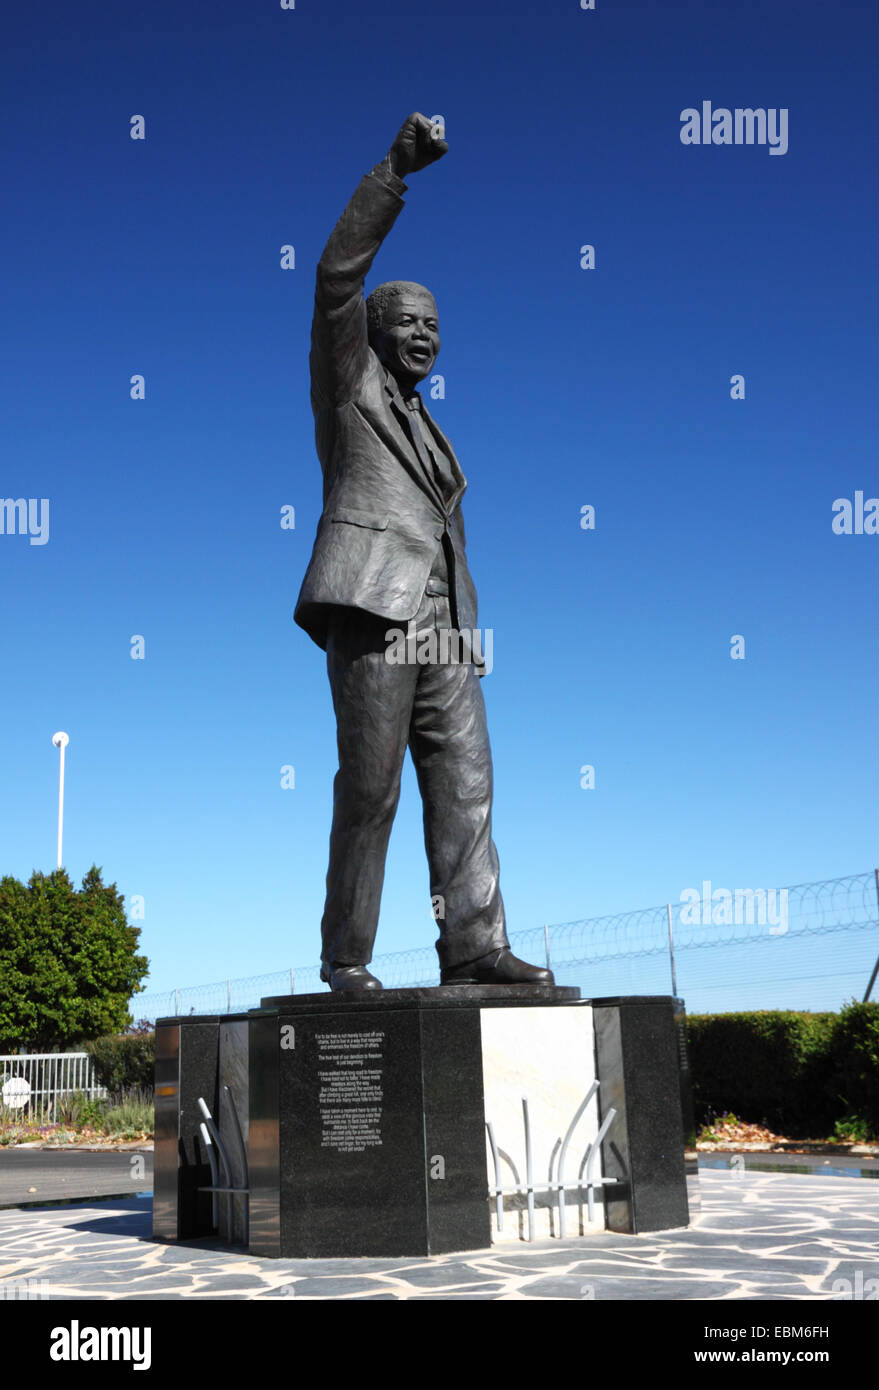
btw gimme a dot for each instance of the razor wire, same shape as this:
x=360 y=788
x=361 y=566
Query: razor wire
x=744 y=949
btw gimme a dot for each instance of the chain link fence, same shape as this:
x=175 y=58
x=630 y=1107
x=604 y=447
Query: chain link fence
x=810 y=946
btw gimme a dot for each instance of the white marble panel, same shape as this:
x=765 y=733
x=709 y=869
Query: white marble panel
x=547 y=1055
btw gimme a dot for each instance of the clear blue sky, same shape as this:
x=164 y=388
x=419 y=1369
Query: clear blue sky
x=564 y=387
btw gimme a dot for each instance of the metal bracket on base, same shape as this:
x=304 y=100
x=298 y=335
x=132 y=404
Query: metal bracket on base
x=556 y=1177
x=221 y=1171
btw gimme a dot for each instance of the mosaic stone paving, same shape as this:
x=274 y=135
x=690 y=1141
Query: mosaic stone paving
x=759 y=1236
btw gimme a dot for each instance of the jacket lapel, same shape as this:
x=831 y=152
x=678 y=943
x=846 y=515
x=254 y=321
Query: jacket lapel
x=457 y=473
x=393 y=428
x=422 y=472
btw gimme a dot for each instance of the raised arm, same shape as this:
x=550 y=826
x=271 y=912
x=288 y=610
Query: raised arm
x=339 y=346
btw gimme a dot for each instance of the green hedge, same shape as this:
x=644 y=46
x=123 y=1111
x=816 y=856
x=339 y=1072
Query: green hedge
x=855 y=1063
x=124 y=1061
x=798 y=1073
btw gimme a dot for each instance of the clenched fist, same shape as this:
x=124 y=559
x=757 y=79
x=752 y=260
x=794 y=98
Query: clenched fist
x=417 y=145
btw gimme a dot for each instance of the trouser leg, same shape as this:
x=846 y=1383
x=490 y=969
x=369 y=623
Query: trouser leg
x=373 y=704
x=448 y=739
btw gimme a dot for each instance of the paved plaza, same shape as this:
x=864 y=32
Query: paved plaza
x=760 y=1235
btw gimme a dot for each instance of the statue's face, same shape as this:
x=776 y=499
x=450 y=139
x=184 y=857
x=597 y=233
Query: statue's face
x=408 y=342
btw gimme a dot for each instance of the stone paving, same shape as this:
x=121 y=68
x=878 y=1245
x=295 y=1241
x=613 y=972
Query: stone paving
x=759 y=1236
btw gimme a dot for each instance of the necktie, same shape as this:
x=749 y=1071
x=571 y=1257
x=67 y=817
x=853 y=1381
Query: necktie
x=440 y=567
x=413 y=404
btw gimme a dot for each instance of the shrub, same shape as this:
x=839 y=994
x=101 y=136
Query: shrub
x=131 y=1116
x=851 y=1129
x=770 y=1067
x=802 y=1074
x=80 y=1111
x=124 y=1061
x=854 y=1056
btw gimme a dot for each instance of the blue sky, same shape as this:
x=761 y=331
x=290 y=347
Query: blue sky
x=564 y=387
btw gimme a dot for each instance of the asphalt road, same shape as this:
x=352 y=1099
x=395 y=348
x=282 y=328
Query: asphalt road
x=32 y=1176
x=29 y=1175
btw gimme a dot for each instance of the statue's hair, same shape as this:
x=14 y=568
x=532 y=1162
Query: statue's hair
x=381 y=297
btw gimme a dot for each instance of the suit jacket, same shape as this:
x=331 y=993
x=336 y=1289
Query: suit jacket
x=383 y=514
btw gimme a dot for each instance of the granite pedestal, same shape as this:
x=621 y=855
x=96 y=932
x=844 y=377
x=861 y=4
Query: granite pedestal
x=365 y=1119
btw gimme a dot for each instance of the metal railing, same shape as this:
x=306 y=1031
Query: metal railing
x=34 y=1082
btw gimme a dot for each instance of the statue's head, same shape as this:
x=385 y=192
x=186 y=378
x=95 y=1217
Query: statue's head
x=403 y=329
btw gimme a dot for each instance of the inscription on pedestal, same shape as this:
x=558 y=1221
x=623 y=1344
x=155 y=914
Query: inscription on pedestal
x=352 y=1135
x=350 y=1073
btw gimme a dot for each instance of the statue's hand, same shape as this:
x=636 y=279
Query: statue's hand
x=417 y=145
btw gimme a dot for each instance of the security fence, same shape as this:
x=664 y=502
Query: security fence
x=810 y=946
x=34 y=1082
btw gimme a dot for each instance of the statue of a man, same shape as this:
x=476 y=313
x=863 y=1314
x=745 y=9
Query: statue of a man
x=390 y=553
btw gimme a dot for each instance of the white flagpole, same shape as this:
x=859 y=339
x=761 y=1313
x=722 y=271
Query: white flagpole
x=61 y=741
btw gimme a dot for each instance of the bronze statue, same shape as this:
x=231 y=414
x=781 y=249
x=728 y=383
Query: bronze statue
x=390 y=552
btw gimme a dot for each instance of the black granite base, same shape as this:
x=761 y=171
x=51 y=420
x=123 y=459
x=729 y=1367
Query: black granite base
x=436 y=996
x=637 y=1043
x=375 y=1112
x=364 y=1116
x=370 y=1103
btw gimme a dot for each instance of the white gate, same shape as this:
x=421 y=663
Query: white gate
x=37 y=1080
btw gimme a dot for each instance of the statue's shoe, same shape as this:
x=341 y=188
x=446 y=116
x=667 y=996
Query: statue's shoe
x=348 y=977
x=501 y=967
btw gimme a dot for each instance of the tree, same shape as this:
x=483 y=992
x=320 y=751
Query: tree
x=68 y=961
